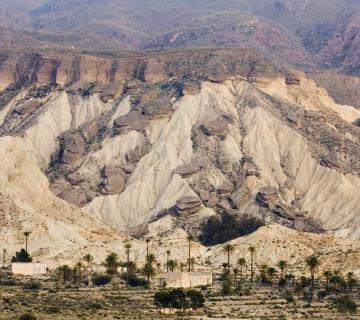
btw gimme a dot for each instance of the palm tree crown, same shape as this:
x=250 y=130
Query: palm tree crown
x=313 y=264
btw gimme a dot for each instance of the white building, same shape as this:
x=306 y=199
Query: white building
x=184 y=279
x=28 y=269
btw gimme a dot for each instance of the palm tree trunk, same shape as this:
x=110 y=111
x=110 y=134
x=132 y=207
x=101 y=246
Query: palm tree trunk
x=312 y=279
x=167 y=262
x=189 y=269
x=229 y=262
x=147 y=251
x=252 y=268
x=4 y=253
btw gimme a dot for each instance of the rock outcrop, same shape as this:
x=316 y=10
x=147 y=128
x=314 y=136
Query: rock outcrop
x=188 y=205
x=267 y=196
x=72 y=145
x=187 y=170
x=132 y=121
x=27 y=107
x=114 y=180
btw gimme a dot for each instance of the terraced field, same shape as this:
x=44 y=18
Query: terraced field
x=56 y=302
x=265 y=303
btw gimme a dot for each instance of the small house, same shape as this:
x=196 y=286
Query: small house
x=28 y=269
x=184 y=279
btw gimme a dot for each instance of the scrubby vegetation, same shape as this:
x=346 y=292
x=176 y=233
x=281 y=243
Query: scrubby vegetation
x=345 y=304
x=101 y=280
x=220 y=229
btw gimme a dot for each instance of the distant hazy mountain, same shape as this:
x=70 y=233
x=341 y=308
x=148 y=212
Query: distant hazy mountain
x=300 y=32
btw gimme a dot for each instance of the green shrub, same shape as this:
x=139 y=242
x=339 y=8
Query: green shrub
x=8 y=282
x=21 y=256
x=32 y=285
x=179 y=299
x=282 y=283
x=162 y=299
x=196 y=298
x=133 y=280
x=27 y=316
x=288 y=296
x=53 y=309
x=94 y=305
x=321 y=295
x=345 y=304
x=101 y=280
x=226 y=288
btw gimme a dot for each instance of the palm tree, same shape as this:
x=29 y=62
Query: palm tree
x=172 y=265
x=182 y=266
x=299 y=289
x=111 y=263
x=167 y=260
x=77 y=271
x=271 y=271
x=147 y=249
x=151 y=258
x=192 y=264
x=65 y=272
x=337 y=280
x=128 y=246
x=149 y=270
x=26 y=234
x=263 y=273
x=328 y=275
x=89 y=259
x=313 y=264
x=228 y=248
x=190 y=238
x=241 y=263
x=351 y=280
x=282 y=264
x=236 y=272
x=252 y=251
x=4 y=258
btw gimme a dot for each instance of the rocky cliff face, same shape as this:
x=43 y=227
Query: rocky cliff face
x=156 y=142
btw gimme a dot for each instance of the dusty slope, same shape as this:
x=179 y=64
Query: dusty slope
x=28 y=205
